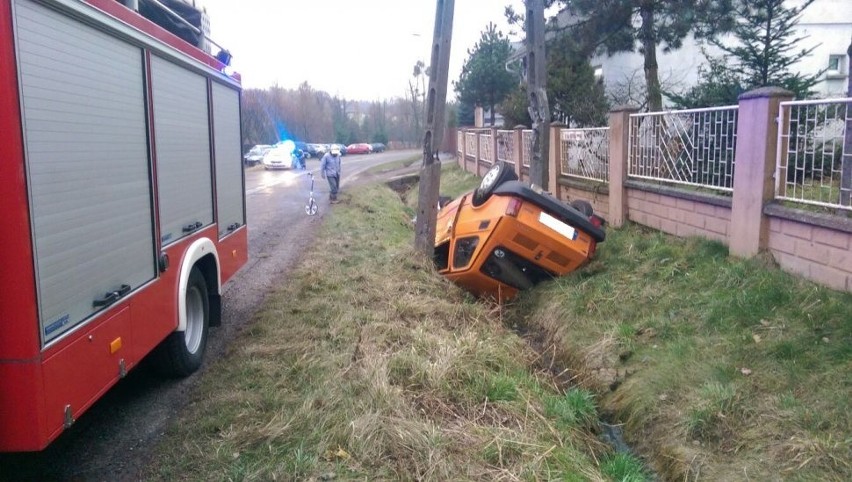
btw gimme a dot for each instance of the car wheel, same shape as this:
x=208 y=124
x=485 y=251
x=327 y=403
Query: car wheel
x=182 y=352
x=583 y=206
x=499 y=173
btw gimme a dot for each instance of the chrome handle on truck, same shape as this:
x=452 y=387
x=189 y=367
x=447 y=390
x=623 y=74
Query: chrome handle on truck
x=192 y=227
x=111 y=297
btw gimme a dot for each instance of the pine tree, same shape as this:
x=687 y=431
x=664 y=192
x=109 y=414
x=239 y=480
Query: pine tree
x=484 y=80
x=763 y=52
x=766 y=46
x=576 y=97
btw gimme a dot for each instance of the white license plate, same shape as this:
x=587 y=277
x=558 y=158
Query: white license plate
x=558 y=226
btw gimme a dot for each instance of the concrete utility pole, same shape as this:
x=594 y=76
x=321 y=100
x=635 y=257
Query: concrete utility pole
x=436 y=102
x=537 y=93
x=846 y=158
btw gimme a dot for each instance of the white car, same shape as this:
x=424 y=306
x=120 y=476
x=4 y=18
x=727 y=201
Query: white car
x=279 y=157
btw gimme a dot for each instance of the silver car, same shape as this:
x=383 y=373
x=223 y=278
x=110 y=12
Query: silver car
x=255 y=154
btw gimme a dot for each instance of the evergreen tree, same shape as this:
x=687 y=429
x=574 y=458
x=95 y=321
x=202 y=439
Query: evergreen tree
x=575 y=96
x=766 y=46
x=484 y=80
x=515 y=108
x=465 y=115
x=717 y=85
x=764 y=50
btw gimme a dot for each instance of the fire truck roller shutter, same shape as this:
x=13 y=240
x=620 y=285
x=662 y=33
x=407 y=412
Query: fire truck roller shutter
x=229 y=170
x=182 y=138
x=83 y=107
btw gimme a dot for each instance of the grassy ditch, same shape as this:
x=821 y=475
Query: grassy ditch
x=721 y=369
x=366 y=364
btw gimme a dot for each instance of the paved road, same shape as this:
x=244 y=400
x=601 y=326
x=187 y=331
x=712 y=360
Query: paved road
x=112 y=440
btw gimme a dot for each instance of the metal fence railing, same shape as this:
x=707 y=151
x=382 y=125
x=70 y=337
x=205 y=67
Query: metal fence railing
x=815 y=153
x=526 y=147
x=693 y=147
x=470 y=143
x=506 y=146
x=585 y=153
x=486 y=146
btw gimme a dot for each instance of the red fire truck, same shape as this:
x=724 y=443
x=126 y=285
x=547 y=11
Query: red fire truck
x=123 y=200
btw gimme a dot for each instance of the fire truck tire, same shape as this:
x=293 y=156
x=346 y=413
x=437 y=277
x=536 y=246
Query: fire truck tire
x=182 y=352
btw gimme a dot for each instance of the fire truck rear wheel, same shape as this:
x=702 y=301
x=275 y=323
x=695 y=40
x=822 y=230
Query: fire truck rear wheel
x=182 y=352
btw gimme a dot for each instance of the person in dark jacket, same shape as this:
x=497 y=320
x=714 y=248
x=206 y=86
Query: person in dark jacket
x=330 y=170
x=298 y=159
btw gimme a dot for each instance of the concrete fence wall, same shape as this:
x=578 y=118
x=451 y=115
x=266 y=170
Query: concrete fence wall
x=813 y=245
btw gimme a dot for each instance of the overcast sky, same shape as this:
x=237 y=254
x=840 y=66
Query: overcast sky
x=360 y=50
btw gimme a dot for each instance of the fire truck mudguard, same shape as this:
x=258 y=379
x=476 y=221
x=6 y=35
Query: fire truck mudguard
x=196 y=251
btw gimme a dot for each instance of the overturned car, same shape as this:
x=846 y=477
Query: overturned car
x=506 y=236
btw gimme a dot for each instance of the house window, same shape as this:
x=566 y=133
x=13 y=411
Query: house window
x=598 y=72
x=835 y=65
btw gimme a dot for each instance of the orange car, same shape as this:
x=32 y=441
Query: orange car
x=506 y=236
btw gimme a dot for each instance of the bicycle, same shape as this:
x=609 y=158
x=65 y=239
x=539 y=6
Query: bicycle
x=311 y=207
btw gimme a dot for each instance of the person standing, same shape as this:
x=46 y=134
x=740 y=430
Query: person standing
x=330 y=170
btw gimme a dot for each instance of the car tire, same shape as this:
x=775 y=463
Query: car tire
x=499 y=173
x=182 y=352
x=583 y=206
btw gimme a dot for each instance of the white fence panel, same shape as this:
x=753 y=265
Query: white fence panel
x=815 y=153
x=694 y=147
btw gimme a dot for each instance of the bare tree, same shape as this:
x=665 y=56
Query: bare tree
x=631 y=89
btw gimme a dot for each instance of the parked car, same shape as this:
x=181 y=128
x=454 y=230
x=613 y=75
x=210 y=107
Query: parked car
x=340 y=147
x=359 y=148
x=506 y=236
x=255 y=154
x=378 y=147
x=279 y=157
x=317 y=150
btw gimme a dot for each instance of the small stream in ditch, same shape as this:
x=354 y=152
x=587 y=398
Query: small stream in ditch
x=609 y=430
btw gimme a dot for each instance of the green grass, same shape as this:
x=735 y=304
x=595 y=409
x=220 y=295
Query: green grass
x=707 y=358
x=716 y=368
x=622 y=467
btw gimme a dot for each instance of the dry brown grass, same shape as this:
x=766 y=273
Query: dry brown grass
x=366 y=364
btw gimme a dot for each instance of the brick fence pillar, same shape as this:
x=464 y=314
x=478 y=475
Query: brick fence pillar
x=494 y=145
x=619 y=138
x=555 y=167
x=754 y=184
x=477 y=152
x=463 y=160
x=518 y=149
